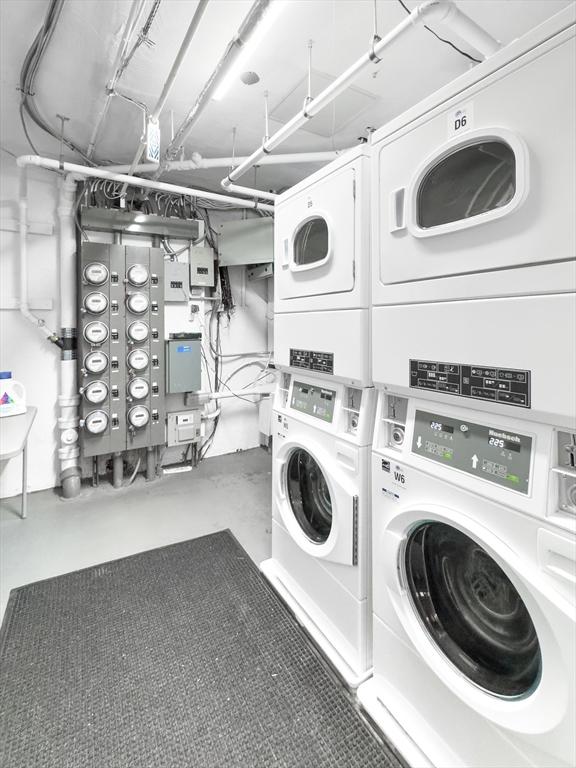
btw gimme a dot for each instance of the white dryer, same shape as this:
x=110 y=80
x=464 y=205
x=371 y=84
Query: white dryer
x=320 y=562
x=474 y=235
x=321 y=272
x=474 y=588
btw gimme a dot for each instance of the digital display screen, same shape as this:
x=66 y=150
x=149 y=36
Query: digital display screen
x=439 y=427
x=498 y=442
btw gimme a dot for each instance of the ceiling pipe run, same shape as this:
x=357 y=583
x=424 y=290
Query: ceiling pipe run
x=83 y=171
x=135 y=11
x=168 y=85
x=230 y=55
x=432 y=11
x=198 y=163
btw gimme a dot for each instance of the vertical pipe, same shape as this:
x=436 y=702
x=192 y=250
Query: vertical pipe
x=68 y=398
x=150 y=463
x=117 y=469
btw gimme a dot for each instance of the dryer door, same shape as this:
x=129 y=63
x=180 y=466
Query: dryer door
x=314 y=239
x=468 y=188
x=320 y=515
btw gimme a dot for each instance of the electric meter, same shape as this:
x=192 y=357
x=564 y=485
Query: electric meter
x=96 y=362
x=96 y=392
x=138 y=360
x=96 y=332
x=138 y=388
x=95 y=303
x=137 y=303
x=137 y=331
x=138 y=416
x=95 y=273
x=96 y=422
x=137 y=275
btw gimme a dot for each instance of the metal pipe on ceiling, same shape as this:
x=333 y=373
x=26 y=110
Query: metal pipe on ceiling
x=84 y=171
x=225 y=162
x=135 y=11
x=228 y=58
x=431 y=11
x=168 y=85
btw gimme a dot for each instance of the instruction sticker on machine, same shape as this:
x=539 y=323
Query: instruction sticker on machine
x=497 y=455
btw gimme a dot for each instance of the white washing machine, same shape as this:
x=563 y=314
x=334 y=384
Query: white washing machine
x=320 y=562
x=474 y=235
x=321 y=272
x=474 y=587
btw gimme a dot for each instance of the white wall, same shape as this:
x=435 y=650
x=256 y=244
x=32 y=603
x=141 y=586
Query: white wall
x=23 y=349
x=34 y=361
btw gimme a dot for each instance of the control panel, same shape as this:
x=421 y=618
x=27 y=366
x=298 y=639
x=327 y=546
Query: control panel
x=314 y=401
x=480 y=382
x=322 y=362
x=497 y=455
x=121 y=348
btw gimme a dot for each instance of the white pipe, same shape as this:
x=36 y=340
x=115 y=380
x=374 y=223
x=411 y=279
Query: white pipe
x=225 y=162
x=68 y=398
x=23 y=305
x=198 y=13
x=83 y=171
x=131 y=21
x=442 y=11
x=238 y=393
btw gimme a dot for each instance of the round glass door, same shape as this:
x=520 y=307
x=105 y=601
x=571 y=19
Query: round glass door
x=309 y=496
x=472 y=611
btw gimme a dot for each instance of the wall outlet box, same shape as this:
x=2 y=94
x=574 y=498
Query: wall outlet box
x=183 y=427
x=175 y=281
x=202 y=267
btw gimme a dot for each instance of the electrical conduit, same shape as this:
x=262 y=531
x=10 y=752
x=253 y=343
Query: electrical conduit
x=198 y=13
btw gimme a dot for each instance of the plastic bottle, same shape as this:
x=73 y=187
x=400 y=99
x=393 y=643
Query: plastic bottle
x=12 y=395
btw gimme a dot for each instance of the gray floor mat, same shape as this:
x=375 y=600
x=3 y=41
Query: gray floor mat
x=181 y=656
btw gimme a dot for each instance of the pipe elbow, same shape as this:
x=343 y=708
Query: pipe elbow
x=25 y=160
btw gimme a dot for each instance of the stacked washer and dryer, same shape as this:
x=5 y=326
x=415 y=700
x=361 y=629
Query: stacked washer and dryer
x=324 y=411
x=474 y=457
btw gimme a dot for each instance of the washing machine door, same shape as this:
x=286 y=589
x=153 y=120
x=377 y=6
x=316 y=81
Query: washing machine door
x=320 y=515
x=471 y=610
x=482 y=617
x=315 y=238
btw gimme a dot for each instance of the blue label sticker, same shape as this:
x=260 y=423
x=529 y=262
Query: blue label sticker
x=184 y=348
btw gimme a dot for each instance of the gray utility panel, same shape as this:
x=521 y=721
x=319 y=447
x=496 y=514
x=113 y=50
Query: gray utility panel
x=201 y=267
x=250 y=241
x=183 y=363
x=120 y=348
x=490 y=453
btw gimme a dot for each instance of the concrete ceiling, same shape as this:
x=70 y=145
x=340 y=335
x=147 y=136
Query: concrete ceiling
x=78 y=62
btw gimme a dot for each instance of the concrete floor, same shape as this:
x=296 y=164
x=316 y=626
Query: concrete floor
x=232 y=491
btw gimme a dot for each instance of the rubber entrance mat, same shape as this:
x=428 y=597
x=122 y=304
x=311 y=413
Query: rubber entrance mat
x=181 y=656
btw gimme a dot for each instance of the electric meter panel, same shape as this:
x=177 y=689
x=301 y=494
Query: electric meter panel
x=96 y=273
x=144 y=314
x=121 y=347
x=137 y=303
x=96 y=392
x=137 y=274
x=137 y=332
x=138 y=417
x=138 y=360
x=96 y=303
x=96 y=422
x=96 y=333
x=101 y=348
x=138 y=388
x=95 y=362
